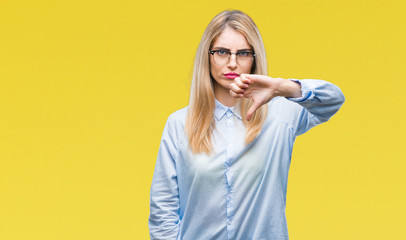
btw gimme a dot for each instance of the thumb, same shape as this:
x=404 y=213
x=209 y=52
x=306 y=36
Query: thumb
x=252 y=109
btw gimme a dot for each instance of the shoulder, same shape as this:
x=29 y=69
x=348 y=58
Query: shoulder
x=174 y=126
x=175 y=122
x=178 y=117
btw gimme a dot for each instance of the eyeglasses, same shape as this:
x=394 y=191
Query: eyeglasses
x=222 y=57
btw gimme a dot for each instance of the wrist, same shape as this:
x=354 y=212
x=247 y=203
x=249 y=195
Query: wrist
x=291 y=89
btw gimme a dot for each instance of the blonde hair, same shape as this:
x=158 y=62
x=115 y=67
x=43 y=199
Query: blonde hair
x=200 y=117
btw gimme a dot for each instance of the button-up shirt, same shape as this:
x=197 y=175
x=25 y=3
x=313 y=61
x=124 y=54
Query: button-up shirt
x=237 y=191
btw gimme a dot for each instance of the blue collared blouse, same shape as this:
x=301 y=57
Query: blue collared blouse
x=238 y=191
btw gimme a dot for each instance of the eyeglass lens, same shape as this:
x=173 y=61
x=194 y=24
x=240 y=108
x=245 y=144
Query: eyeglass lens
x=223 y=57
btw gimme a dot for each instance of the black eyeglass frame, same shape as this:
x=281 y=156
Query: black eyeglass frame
x=212 y=52
x=253 y=54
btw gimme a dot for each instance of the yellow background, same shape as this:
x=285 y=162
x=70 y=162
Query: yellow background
x=86 y=87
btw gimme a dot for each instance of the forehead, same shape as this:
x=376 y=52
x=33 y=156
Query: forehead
x=231 y=39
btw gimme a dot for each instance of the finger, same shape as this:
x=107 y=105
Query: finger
x=236 y=95
x=235 y=88
x=252 y=109
x=253 y=76
x=245 y=79
x=239 y=83
x=258 y=78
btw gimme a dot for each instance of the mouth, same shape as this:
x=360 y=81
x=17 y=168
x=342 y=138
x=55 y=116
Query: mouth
x=231 y=75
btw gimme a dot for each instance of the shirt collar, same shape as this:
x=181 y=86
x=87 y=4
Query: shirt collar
x=221 y=110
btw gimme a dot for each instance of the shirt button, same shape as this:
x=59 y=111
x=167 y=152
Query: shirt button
x=229 y=113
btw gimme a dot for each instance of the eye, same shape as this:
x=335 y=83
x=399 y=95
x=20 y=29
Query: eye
x=222 y=52
x=244 y=54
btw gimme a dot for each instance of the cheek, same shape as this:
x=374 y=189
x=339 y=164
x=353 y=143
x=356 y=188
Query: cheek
x=249 y=68
x=214 y=70
x=211 y=66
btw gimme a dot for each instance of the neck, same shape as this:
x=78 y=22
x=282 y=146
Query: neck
x=223 y=96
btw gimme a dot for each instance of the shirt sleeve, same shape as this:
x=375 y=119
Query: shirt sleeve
x=320 y=101
x=164 y=199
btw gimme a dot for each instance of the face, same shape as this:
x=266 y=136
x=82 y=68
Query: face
x=233 y=41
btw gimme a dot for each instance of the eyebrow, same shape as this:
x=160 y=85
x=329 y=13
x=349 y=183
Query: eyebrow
x=227 y=49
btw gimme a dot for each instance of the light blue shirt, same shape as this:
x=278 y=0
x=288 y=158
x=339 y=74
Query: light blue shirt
x=238 y=191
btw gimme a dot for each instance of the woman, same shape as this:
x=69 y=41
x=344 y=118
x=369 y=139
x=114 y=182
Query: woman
x=223 y=161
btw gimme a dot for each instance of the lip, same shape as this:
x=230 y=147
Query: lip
x=231 y=75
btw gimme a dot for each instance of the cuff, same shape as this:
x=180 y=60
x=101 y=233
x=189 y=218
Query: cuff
x=306 y=92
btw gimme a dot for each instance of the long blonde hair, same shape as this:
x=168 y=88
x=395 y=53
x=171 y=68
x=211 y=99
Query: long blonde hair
x=200 y=117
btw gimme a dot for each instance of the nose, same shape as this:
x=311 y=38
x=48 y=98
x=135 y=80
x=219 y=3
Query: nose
x=232 y=62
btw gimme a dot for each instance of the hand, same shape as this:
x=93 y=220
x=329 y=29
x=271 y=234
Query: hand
x=261 y=89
